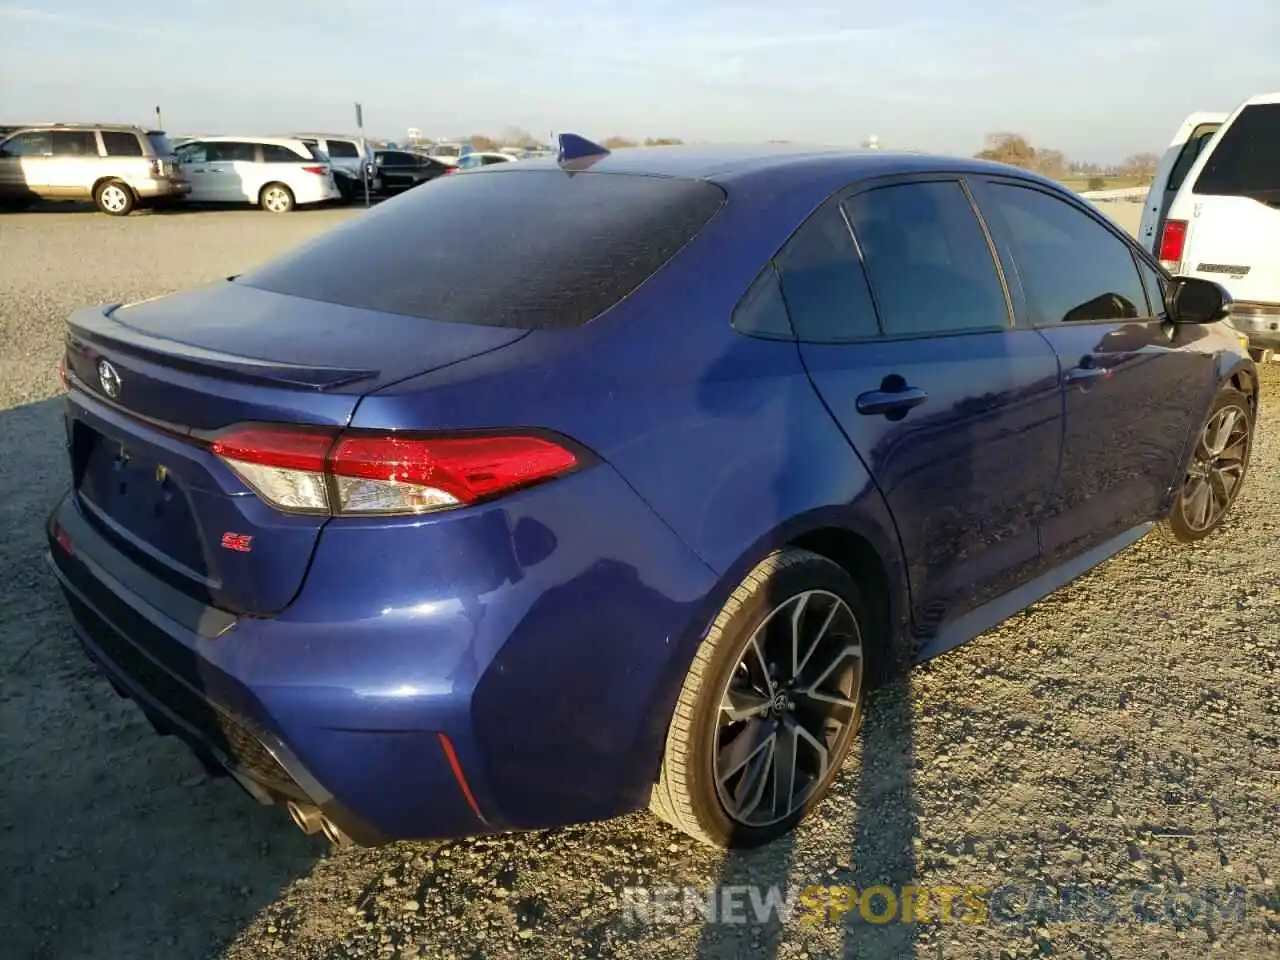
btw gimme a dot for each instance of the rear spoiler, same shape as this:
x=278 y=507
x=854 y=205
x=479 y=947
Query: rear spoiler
x=93 y=327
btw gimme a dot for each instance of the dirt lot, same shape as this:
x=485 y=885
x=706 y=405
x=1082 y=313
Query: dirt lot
x=1122 y=735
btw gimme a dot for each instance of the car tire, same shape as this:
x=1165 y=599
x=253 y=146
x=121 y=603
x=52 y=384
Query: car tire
x=705 y=788
x=276 y=198
x=1216 y=472
x=115 y=198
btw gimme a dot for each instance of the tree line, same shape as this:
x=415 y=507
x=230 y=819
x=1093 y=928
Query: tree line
x=1016 y=150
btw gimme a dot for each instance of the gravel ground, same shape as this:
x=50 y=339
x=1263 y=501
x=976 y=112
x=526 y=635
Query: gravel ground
x=1121 y=734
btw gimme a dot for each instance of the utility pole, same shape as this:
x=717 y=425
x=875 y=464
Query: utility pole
x=159 y=122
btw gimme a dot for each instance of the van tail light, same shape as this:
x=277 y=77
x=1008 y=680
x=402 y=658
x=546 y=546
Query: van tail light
x=365 y=474
x=1172 y=240
x=318 y=171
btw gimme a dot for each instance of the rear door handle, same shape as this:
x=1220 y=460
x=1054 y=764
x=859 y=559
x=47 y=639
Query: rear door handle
x=889 y=402
x=1085 y=374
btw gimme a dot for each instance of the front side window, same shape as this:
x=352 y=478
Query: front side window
x=192 y=153
x=1073 y=269
x=928 y=260
x=33 y=143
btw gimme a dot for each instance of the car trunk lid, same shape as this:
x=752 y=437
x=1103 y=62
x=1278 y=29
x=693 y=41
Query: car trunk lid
x=154 y=383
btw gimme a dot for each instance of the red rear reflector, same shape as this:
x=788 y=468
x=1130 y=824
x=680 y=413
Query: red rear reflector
x=64 y=541
x=1172 y=240
x=62 y=371
x=240 y=542
x=451 y=756
x=319 y=171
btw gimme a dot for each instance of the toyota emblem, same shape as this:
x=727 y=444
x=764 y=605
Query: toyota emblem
x=109 y=379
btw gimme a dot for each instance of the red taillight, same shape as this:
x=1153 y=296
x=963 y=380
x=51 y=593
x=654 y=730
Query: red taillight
x=62 y=371
x=318 y=171
x=64 y=541
x=308 y=471
x=1172 y=240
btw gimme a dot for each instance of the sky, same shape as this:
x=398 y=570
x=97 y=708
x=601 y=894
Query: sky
x=1096 y=80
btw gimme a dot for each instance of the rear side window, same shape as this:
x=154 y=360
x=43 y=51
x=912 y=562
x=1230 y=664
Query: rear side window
x=342 y=149
x=530 y=249
x=1072 y=267
x=762 y=312
x=225 y=151
x=823 y=283
x=275 y=153
x=1191 y=151
x=1246 y=161
x=929 y=263
x=121 y=144
x=74 y=143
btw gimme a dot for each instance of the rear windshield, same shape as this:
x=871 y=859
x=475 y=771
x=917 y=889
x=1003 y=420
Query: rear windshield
x=531 y=249
x=1246 y=161
x=160 y=143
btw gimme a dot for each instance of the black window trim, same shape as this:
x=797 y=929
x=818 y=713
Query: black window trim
x=1136 y=252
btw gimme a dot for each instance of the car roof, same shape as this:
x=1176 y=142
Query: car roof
x=56 y=125
x=281 y=141
x=758 y=170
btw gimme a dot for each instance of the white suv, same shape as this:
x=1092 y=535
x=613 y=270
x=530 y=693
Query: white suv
x=1213 y=211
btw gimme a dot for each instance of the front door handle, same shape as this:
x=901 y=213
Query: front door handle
x=890 y=402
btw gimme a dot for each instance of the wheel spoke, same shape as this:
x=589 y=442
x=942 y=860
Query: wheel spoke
x=755 y=779
x=754 y=647
x=1196 y=499
x=784 y=769
x=756 y=737
x=797 y=616
x=803 y=662
x=1221 y=430
x=739 y=705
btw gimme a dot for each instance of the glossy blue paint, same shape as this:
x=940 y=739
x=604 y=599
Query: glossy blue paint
x=547 y=633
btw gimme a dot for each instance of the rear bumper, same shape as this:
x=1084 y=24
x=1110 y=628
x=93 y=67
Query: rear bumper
x=1260 y=322
x=152 y=189
x=437 y=680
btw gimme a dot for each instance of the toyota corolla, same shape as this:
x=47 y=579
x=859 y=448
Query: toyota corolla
x=576 y=486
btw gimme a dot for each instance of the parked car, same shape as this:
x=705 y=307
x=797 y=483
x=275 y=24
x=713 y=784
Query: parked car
x=1213 y=210
x=482 y=158
x=559 y=490
x=274 y=173
x=117 y=166
x=398 y=170
x=350 y=159
x=444 y=151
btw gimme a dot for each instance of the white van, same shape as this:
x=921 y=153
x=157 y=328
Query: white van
x=1213 y=211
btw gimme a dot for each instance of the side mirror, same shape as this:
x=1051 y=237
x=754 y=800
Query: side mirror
x=1192 y=300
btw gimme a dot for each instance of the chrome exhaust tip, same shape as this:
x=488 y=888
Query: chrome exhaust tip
x=308 y=818
x=332 y=833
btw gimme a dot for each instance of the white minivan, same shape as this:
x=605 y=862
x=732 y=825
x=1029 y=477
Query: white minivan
x=274 y=173
x=1213 y=211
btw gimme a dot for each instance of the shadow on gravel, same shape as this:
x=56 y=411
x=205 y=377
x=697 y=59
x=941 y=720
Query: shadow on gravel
x=115 y=842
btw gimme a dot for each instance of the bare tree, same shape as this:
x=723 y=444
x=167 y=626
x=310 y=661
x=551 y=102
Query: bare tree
x=1011 y=148
x=1140 y=165
x=480 y=142
x=518 y=137
x=662 y=141
x=1051 y=163
x=615 y=142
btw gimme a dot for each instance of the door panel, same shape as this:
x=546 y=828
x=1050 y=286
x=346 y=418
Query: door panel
x=1133 y=386
x=956 y=416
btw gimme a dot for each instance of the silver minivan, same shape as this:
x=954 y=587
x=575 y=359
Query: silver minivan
x=117 y=166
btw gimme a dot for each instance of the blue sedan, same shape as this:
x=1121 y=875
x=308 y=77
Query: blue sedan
x=588 y=484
